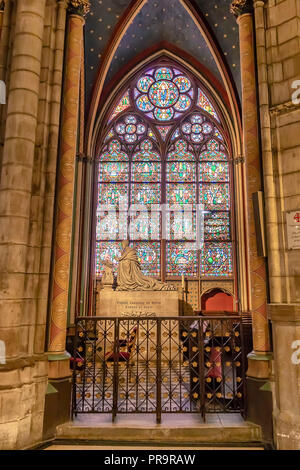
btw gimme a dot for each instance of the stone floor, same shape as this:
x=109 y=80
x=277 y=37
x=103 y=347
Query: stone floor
x=184 y=428
x=113 y=448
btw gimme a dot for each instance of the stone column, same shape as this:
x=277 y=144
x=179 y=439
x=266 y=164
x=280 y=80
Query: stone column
x=274 y=263
x=59 y=363
x=243 y=10
x=259 y=402
x=23 y=374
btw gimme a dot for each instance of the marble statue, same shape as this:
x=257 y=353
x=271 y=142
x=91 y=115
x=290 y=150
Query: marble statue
x=108 y=278
x=130 y=276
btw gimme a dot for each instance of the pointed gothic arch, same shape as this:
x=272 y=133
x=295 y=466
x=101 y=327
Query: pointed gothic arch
x=121 y=105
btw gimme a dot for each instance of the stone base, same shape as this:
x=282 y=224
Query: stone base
x=138 y=303
x=22 y=399
x=57 y=406
x=287 y=431
x=260 y=406
x=286 y=335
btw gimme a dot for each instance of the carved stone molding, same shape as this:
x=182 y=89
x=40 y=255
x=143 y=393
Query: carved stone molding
x=241 y=7
x=225 y=286
x=238 y=160
x=81 y=157
x=79 y=7
x=284 y=108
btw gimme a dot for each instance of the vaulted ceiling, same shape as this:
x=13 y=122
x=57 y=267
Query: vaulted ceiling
x=160 y=20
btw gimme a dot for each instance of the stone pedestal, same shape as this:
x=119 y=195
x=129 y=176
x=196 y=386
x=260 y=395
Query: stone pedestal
x=286 y=339
x=145 y=304
x=138 y=303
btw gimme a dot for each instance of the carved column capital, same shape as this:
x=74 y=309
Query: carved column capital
x=241 y=7
x=79 y=7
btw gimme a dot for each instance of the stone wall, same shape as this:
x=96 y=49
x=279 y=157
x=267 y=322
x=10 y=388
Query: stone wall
x=278 y=56
x=283 y=69
x=31 y=60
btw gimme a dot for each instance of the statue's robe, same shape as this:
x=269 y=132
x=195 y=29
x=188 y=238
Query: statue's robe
x=130 y=276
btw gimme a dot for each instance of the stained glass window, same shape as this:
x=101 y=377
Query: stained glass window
x=204 y=103
x=217 y=226
x=216 y=259
x=212 y=151
x=123 y=104
x=112 y=193
x=146 y=171
x=146 y=152
x=145 y=193
x=213 y=171
x=182 y=258
x=164 y=146
x=113 y=171
x=181 y=171
x=114 y=152
x=149 y=257
x=107 y=251
x=181 y=152
x=163 y=95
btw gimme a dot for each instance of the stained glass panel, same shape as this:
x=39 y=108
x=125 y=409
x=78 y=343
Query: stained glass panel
x=146 y=152
x=114 y=153
x=181 y=152
x=113 y=193
x=212 y=153
x=146 y=171
x=216 y=259
x=149 y=257
x=181 y=171
x=214 y=196
x=163 y=130
x=217 y=226
x=145 y=225
x=145 y=193
x=163 y=114
x=144 y=104
x=113 y=171
x=183 y=83
x=111 y=225
x=182 y=258
x=181 y=193
x=123 y=104
x=181 y=225
x=204 y=103
x=107 y=251
x=163 y=73
x=184 y=102
x=144 y=83
x=163 y=94
x=213 y=171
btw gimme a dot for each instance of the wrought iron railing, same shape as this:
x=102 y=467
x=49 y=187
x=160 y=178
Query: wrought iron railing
x=159 y=365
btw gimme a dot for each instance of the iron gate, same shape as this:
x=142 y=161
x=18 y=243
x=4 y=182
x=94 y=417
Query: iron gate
x=158 y=365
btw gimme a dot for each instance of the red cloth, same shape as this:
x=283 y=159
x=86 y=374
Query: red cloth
x=122 y=356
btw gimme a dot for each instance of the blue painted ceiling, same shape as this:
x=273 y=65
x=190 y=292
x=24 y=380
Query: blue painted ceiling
x=159 y=20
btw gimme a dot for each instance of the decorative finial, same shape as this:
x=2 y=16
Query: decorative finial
x=240 y=7
x=79 y=7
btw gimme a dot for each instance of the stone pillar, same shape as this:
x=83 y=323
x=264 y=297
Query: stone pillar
x=258 y=282
x=22 y=374
x=59 y=361
x=286 y=337
x=259 y=401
